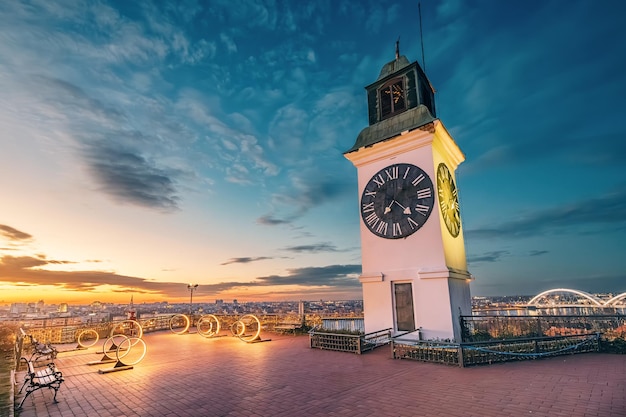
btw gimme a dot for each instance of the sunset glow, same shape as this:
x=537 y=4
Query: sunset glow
x=145 y=145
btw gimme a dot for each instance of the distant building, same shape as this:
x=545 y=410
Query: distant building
x=18 y=308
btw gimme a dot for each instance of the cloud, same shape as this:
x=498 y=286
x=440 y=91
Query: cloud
x=490 y=257
x=607 y=210
x=331 y=275
x=130 y=178
x=229 y=135
x=14 y=234
x=309 y=188
x=557 y=144
x=30 y=271
x=503 y=69
x=269 y=220
x=231 y=46
x=317 y=248
x=245 y=260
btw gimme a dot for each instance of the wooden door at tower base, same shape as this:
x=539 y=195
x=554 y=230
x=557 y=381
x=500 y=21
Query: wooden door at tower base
x=403 y=297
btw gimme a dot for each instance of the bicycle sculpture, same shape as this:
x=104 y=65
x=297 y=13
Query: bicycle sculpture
x=130 y=328
x=247 y=328
x=208 y=326
x=125 y=331
x=87 y=338
x=180 y=323
x=130 y=351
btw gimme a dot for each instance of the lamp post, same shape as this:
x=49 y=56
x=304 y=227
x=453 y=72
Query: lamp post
x=191 y=288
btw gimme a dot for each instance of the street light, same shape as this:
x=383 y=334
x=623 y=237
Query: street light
x=191 y=288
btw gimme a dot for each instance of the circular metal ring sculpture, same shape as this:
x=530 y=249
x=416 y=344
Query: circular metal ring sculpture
x=87 y=338
x=130 y=328
x=178 y=322
x=247 y=328
x=208 y=325
x=132 y=349
x=237 y=328
x=112 y=345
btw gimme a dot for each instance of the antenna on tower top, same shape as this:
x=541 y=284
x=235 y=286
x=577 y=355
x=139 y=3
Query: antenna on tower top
x=419 y=8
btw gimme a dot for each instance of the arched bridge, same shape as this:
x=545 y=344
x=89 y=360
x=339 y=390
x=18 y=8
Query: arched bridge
x=565 y=297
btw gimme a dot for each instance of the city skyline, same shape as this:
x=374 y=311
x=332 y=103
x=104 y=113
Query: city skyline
x=146 y=146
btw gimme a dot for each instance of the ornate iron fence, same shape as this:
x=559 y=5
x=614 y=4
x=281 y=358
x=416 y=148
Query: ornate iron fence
x=480 y=353
x=484 y=328
x=355 y=343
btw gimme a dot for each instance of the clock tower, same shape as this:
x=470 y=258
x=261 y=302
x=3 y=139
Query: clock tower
x=414 y=272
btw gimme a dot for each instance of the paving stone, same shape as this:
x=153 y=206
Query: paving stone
x=189 y=375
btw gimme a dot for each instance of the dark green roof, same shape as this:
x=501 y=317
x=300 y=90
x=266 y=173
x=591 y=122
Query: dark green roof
x=388 y=128
x=393 y=66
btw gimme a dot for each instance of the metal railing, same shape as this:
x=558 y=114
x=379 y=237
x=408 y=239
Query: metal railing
x=484 y=328
x=480 y=353
x=354 y=343
x=352 y=324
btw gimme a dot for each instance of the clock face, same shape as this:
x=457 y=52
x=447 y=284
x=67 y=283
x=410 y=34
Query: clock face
x=448 y=200
x=397 y=201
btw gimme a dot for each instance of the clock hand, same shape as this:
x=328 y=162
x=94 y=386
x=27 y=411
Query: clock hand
x=388 y=208
x=405 y=210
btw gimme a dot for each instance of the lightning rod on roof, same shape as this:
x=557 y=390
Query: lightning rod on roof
x=419 y=8
x=398 y=49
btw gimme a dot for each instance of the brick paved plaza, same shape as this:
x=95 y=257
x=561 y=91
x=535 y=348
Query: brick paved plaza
x=188 y=375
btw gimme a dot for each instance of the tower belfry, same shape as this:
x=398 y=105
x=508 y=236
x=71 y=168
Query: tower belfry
x=413 y=255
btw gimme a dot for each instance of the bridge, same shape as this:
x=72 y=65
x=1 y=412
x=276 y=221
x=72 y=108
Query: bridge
x=565 y=297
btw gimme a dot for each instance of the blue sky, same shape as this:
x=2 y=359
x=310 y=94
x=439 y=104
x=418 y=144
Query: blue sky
x=145 y=145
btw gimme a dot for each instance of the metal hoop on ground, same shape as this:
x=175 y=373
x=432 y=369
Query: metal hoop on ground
x=112 y=344
x=132 y=350
x=130 y=328
x=250 y=328
x=237 y=328
x=109 y=347
x=87 y=338
x=208 y=325
x=179 y=323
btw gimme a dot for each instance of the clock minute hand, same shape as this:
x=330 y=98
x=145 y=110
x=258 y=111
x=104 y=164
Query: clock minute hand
x=405 y=210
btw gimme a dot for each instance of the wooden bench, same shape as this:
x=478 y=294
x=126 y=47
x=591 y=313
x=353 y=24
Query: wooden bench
x=46 y=377
x=288 y=327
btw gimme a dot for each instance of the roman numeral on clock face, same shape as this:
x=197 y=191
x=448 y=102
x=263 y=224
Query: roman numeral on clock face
x=392 y=173
x=424 y=193
x=367 y=207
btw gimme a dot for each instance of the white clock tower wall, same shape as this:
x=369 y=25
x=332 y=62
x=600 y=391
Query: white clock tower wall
x=446 y=151
x=415 y=277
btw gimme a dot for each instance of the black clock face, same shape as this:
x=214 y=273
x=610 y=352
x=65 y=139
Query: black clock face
x=397 y=201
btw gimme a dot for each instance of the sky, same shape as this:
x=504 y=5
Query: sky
x=146 y=145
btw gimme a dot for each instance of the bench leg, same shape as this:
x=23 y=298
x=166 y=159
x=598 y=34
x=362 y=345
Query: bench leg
x=30 y=389
x=24 y=384
x=23 y=399
x=55 y=387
